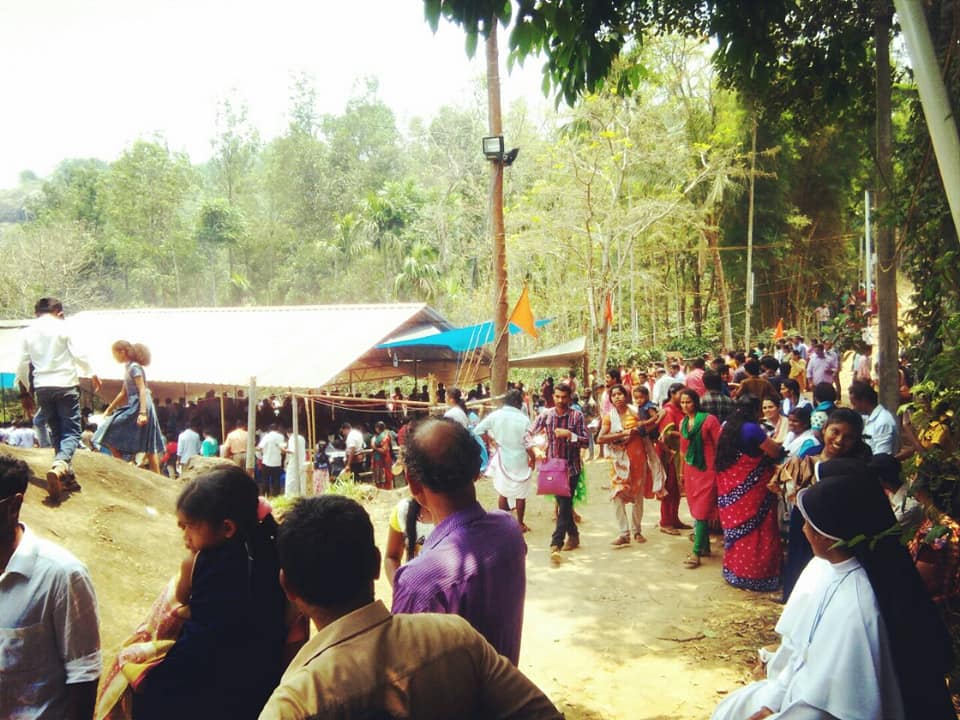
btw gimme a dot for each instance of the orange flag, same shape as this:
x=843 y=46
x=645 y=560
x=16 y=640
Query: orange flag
x=522 y=315
x=778 y=333
x=608 y=309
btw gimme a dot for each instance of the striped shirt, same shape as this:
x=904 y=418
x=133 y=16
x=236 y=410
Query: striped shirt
x=569 y=448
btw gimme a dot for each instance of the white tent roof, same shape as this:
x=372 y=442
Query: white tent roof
x=566 y=354
x=203 y=348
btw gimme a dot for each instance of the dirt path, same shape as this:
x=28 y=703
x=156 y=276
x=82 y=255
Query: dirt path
x=615 y=634
x=630 y=633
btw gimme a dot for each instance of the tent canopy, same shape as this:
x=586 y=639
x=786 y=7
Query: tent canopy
x=462 y=339
x=200 y=349
x=565 y=355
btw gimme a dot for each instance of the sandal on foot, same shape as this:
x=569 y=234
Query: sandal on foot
x=669 y=530
x=639 y=538
x=691 y=562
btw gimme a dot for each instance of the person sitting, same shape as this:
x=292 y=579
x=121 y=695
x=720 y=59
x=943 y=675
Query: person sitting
x=801 y=441
x=364 y=662
x=860 y=636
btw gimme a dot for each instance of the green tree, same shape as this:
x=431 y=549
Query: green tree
x=146 y=189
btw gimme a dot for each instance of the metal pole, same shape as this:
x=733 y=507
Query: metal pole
x=933 y=97
x=297 y=458
x=251 y=426
x=868 y=252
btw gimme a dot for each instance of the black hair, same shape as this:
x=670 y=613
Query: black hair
x=614 y=373
x=824 y=392
x=457 y=397
x=442 y=454
x=513 y=398
x=769 y=362
x=619 y=387
x=380 y=426
x=410 y=527
x=784 y=368
x=746 y=409
x=694 y=397
x=674 y=387
x=14 y=476
x=802 y=414
x=792 y=385
x=848 y=416
x=752 y=366
x=712 y=381
x=224 y=493
x=196 y=423
x=327 y=551
x=47 y=305
x=563 y=388
x=861 y=390
x=699 y=363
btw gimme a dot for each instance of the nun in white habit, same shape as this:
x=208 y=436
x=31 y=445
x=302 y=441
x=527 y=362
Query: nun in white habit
x=860 y=638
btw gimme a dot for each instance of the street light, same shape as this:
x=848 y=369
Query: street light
x=493 y=147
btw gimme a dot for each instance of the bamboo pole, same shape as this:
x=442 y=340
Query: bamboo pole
x=251 y=426
x=297 y=457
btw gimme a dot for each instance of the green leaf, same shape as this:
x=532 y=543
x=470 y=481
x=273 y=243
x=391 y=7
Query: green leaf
x=471 y=44
x=431 y=11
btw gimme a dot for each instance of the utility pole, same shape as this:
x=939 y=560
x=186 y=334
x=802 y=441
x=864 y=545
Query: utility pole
x=749 y=279
x=499 y=369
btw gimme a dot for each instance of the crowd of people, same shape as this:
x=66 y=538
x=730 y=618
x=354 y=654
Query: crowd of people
x=809 y=497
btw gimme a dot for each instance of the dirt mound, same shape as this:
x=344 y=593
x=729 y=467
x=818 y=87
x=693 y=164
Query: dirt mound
x=122 y=525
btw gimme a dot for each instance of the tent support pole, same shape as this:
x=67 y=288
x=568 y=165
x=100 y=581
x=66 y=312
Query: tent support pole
x=297 y=457
x=223 y=419
x=251 y=426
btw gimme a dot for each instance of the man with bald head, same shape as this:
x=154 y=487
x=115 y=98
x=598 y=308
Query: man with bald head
x=473 y=563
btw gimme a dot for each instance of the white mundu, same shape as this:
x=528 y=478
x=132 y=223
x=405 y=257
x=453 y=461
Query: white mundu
x=834 y=659
x=508 y=467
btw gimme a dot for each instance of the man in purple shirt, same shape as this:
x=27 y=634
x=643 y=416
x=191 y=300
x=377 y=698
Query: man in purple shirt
x=473 y=564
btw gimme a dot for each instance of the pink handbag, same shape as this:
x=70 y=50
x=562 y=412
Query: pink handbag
x=553 y=478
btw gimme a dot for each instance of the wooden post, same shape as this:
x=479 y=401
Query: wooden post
x=501 y=337
x=223 y=419
x=297 y=458
x=251 y=426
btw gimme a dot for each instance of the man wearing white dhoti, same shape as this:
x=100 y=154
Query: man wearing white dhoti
x=510 y=460
x=860 y=638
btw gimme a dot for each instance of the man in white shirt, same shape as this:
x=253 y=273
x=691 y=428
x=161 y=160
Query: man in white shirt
x=271 y=447
x=188 y=442
x=354 y=448
x=880 y=430
x=50 y=351
x=510 y=461
x=49 y=632
x=662 y=386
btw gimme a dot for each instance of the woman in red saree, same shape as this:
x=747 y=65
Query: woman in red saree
x=748 y=509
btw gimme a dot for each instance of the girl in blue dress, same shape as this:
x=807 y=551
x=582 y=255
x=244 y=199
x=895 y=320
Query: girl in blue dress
x=132 y=426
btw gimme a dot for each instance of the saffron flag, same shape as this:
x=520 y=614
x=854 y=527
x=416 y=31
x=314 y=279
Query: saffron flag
x=522 y=315
x=778 y=333
x=608 y=309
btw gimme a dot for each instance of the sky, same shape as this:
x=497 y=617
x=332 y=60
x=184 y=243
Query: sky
x=85 y=78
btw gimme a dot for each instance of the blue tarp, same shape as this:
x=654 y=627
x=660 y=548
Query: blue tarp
x=459 y=339
x=6 y=380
